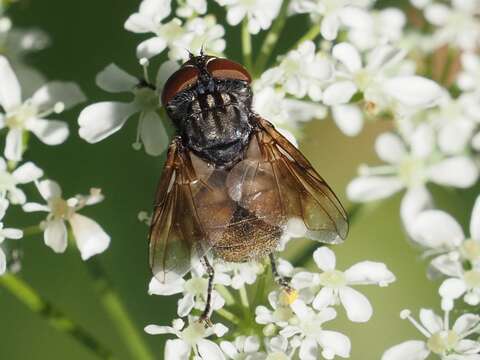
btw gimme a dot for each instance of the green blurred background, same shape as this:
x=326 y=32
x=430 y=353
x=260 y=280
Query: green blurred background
x=86 y=36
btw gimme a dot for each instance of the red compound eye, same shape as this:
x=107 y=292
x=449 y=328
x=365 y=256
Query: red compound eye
x=180 y=80
x=227 y=69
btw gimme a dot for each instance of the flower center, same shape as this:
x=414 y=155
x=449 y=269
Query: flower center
x=193 y=333
x=282 y=313
x=7 y=181
x=60 y=209
x=333 y=278
x=146 y=98
x=277 y=356
x=442 y=341
x=470 y=250
x=411 y=171
x=472 y=279
x=196 y=286
x=17 y=118
x=362 y=79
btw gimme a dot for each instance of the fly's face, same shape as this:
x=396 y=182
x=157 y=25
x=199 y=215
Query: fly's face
x=209 y=100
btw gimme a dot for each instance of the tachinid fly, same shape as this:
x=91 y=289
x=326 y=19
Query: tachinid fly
x=231 y=182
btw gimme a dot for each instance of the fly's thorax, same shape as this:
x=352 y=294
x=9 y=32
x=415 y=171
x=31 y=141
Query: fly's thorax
x=214 y=119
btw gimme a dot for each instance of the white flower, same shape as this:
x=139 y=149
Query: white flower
x=24 y=174
x=382 y=86
x=469 y=77
x=330 y=11
x=336 y=284
x=411 y=168
x=244 y=347
x=301 y=72
x=189 y=8
x=100 y=120
x=443 y=236
x=367 y=29
x=190 y=338
x=194 y=290
x=448 y=343
x=238 y=274
x=149 y=19
x=306 y=327
x=457 y=25
x=90 y=238
x=260 y=13
x=31 y=115
x=6 y=233
x=200 y=33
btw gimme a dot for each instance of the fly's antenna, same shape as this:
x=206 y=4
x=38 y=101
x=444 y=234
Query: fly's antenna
x=190 y=55
x=201 y=50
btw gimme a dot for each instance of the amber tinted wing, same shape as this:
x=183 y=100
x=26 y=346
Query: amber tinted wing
x=278 y=184
x=183 y=227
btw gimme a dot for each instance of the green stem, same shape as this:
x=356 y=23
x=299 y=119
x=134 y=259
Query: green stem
x=272 y=38
x=244 y=297
x=246 y=45
x=226 y=294
x=306 y=255
x=117 y=312
x=228 y=316
x=31 y=299
x=32 y=230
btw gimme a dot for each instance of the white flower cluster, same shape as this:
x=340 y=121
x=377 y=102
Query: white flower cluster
x=26 y=110
x=294 y=324
x=371 y=64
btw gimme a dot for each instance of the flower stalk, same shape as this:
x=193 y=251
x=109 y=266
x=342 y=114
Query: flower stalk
x=246 y=45
x=23 y=292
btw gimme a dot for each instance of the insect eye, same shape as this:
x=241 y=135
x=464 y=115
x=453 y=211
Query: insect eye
x=180 y=80
x=227 y=69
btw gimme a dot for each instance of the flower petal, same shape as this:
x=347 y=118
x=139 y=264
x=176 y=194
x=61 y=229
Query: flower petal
x=452 y=288
x=114 y=79
x=164 y=72
x=67 y=93
x=335 y=342
x=325 y=258
x=99 y=121
x=458 y=171
x=348 y=118
x=339 y=93
x=413 y=91
x=158 y=330
x=50 y=132
x=177 y=349
x=209 y=350
x=411 y=350
x=10 y=91
x=431 y=321
x=13 y=234
x=156 y=287
x=153 y=134
x=91 y=239
x=465 y=323
x=27 y=172
x=370 y=188
x=436 y=228
x=33 y=207
x=348 y=55
x=329 y=27
x=3 y=262
x=390 y=148
x=14 y=145
x=369 y=273
x=49 y=189
x=324 y=298
x=357 y=306
x=151 y=47
x=415 y=200
x=185 y=305
x=308 y=349
x=55 y=235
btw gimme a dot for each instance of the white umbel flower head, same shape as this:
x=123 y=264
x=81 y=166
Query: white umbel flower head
x=469 y=77
x=24 y=174
x=307 y=328
x=100 y=120
x=336 y=285
x=244 y=347
x=445 y=342
x=32 y=114
x=90 y=238
x=6 y=233
x=260 y=13
x=190 y=8
x=191 y=338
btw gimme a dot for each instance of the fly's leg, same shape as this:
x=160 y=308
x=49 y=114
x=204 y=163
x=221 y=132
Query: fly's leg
x=205 y=317
x=280 y=280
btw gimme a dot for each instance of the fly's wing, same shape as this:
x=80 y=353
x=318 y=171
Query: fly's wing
x=278 y=184
x=190 y=212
